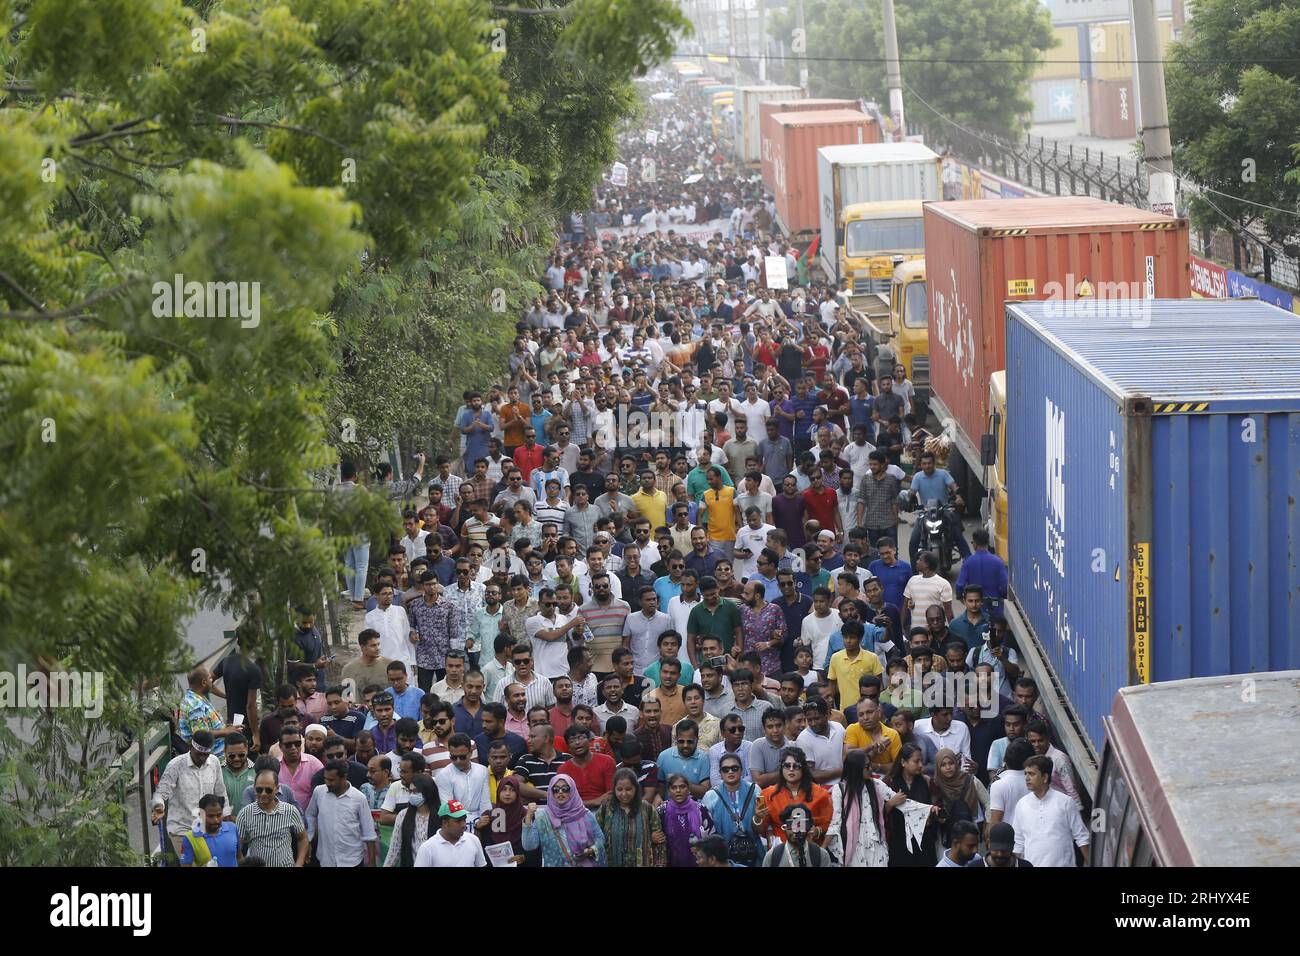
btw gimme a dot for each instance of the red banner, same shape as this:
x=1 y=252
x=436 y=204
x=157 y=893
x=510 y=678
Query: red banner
x=1209 y=281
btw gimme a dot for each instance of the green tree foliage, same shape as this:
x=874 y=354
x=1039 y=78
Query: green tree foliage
x=375 y=169
x=979 y=56
x=1234 y=111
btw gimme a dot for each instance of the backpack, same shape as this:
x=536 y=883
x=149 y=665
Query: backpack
x=778 y=855
x=742 y=848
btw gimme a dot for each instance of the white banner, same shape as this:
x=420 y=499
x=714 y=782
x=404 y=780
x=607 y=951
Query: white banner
x=774 y=266
x=652 y=136
x=618 y=175
x=700 y=232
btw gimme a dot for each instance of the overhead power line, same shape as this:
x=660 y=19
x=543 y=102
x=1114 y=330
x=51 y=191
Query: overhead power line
x=781 y=57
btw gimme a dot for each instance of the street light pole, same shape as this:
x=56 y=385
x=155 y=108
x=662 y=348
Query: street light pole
x=894 y=76
x=1156 y=146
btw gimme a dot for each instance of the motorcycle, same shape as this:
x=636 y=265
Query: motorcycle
x=935 y=535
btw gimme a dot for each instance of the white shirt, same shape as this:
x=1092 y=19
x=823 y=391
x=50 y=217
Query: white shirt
x=579 y=569
x=956 y=738
x=394 y=634
x=927 y=591
x=470 y=788
x=1006 y=793
x=824 y=753
x=1048 y=828
x=343 y=823
x=182 y=785
x=550 y=658
x=451 y=695
x=643 y=633
x=858 y=457
x=615 y=586
x=680 y=612
x=817 y=632
x=414 y=547
x=437 y=851
x=752 y=540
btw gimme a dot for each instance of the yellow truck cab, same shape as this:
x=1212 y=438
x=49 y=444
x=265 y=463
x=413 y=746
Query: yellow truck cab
x=871 y=236
x=909 y=323
x=994 y=510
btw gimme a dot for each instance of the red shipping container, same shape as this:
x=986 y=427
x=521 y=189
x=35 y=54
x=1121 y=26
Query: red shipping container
x=796 y=137
x=981 y=253
x=1113 y=109
x=765 y=111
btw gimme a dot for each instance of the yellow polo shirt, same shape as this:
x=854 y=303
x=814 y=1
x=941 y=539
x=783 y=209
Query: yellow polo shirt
x=846 y=673
x=654 y=508
x=856 y=737
x=722 y=513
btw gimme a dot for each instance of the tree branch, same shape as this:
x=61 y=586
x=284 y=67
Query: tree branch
x=71 y=311
x=116 y=172
x=233 y=121
x=27 y=297
x=113 y=132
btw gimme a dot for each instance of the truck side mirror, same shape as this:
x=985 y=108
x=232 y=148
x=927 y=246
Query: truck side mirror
x=988 y=451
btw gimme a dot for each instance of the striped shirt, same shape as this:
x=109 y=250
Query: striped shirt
x=538 y=772
x=605 y=624
x=545 y=512
x=271 y=837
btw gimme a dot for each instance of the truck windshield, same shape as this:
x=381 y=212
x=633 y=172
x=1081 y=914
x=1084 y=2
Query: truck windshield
x=916 y=306
x=870 y=236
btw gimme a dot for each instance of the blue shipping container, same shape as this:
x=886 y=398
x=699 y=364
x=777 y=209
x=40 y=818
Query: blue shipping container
x=1153 y=483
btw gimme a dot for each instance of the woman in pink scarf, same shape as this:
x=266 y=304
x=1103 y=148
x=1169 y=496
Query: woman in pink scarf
x=565 y=829
x=857 y=835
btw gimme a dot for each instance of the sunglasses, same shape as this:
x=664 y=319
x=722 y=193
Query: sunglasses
x=733 y=730
x=731 y=769
x=264 y=789
x=286 y=745
x=561 y=790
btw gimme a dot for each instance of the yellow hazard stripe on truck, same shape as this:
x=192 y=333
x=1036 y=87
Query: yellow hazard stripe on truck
x=1173 y=408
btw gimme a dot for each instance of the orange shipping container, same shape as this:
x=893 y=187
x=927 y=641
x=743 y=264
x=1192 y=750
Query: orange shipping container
x=982 y=253
x=765 y=111
x=796 y=137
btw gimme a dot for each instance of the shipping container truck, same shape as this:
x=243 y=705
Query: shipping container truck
x=1153 y=468
x=981 y=253
x=766 y=129
x=748 y=101
x=1162 y=790
x=796 y=137
x=870 y=203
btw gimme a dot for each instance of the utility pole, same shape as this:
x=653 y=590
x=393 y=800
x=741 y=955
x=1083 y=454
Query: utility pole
x=802 y=51
x=893 y=75
x=762 y=41
x=1156 y=146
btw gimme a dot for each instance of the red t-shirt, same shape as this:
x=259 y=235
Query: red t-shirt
x=595 y=780
x=765 y=354
x=815 y=359
x=821 y=507
x=526 y=460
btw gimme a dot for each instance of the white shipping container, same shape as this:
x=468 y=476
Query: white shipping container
x=873 y=172
x=748 y=140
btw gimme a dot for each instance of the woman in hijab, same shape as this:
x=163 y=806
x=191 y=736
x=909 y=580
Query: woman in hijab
x=907 y=777
x=634 y=835
x=964 y=797
x=565 y=829
x=860 y=802
x=505 y=824
x=683 y=820
x=417 y=821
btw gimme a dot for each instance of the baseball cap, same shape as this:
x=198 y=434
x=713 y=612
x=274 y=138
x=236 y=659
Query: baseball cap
x=452 y=808
x=1002 y=836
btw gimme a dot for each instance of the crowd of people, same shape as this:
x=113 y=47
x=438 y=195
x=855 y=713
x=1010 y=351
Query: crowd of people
x=661 y=606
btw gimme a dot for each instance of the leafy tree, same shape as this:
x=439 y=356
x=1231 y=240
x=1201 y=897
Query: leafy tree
x=1234 y=109
x=972 y=61
x=338 y=157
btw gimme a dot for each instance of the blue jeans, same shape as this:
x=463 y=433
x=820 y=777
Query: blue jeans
x=356 y=560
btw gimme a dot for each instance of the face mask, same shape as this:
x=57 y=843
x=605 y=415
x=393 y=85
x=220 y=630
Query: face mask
x=416 y=800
